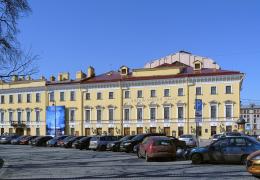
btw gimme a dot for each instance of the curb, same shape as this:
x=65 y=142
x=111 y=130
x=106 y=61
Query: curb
x=4 y=167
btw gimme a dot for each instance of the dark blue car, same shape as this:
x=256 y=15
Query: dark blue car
x=234 y=149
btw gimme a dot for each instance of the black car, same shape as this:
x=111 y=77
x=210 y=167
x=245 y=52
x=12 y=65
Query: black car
x=6 y=139
x=53 y=142
x=83 y=143
x=18 y=139
x=40 y=141
x=68 y=143
x=115 y=146
x=128 y=146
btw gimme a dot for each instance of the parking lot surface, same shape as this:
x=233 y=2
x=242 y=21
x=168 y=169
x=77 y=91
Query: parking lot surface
x=26 y=162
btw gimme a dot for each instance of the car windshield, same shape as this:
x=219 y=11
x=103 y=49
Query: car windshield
x=126 y=138
x=84 y=139
x=186 y=136
x=138 y=137
x=216 y=136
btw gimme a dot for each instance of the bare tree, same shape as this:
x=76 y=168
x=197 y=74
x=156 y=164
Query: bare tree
x=13 y=60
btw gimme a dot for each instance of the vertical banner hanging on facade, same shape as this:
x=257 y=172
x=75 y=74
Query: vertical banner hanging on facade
x=55 y=113
x=198 y=110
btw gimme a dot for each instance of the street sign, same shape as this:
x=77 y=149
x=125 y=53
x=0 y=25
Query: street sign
x=198 y=110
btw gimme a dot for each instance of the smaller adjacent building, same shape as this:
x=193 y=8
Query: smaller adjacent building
x=251 y=114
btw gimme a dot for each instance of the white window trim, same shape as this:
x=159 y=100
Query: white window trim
x=169 y=113
x=113 y=114
x=216 y=90
x=129 y=109
x=101 y=110
x=231 y=88
x=129 y=94
x=90 y=114
x=155 y=114
x=183 y=92
x=72 y=109
x=213 y=104
x=30 y=115
x=63 y=96
x=20 y=111
x=178 y=113
x=142 y=114
x=232 y=111
x=201 y=90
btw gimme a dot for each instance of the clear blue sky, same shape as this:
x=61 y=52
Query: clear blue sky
x=70 y=35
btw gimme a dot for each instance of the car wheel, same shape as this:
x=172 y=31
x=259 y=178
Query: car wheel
x=196 y=159
x=147 y=158
x=244 y=159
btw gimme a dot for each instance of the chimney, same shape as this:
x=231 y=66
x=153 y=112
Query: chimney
x=91 y=72
x=15 y=78
x=80 y=75
x=52 y=78
x=63 y=76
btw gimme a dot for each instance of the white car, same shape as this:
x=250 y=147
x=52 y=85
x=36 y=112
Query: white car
x=190 y=140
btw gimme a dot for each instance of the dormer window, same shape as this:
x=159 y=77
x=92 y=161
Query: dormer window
x=197 y=65
x=124 y=70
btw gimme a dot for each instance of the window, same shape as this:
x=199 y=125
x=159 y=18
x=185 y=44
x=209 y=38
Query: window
x=139 y=94
x=127 y=94
x=197 y=66
x=19 y=116
x=87 y=115
x=99 y=95
x=152 y=113
x=11 y=118
x=198 y=91
x=180 y=131
x=153 y=93
x=51 y=96
x=11 y=99
x=213 y=130
x=180 y=92
x=228 y=90
x=166 y=113
x=72 y=131
x=37 y=131
x=126 y=114
x=28 y=116
x=110 y=114
x=180 y=113
x=2 y=116
x=87 y=96
x=228 y=111
x=111 y=95
x=28 y=98
x=166 y=92
x=255 y=121
x=37 y=115
x=213 y=90
x=99 y=115
x=2 y=99
x=38 y=97
x=72 y=115
x=62 y=98
x=19 y=98
x=139 y=113
x=213 y=111
x=72 y=95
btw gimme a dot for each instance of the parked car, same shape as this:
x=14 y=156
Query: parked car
x=157 y=147
x=60 y=143
x=190 y=140
x=6 y=139
x=17 y=140
x=253 y=163
x=100 y=142
x=115 y=146
x=53 y=142
x=68 y=143
x=233 y=149
x=26 y=140
x=128 y=145
x=230 y=134
x=41 y=140
x=83 y=143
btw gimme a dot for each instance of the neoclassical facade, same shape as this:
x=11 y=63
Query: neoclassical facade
x=158 y=99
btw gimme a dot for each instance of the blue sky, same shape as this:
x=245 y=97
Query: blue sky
x=70 y=35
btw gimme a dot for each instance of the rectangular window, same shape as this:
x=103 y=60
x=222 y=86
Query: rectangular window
x=110 y=114
x=139 y=94
x=198 y=91
x=213 y=111
x=180 y=113
x=19 y=98
x=213 y=130
x=228 y=90
x=62 y=97
x=28 y=116
x=111 y=95
x=87 y=96
x=99 y=115
x=11 y=99
x=153 y=93
x=126 y=114
x=180 y=131
x=37 y=115
x=228 y=111
x=72 y=95
x=152 y=113
x=139 y=113
x=38 y=97
x=19 y=116
x=180 y=92
x=99 y=95
x=213 y=90
x=37 y=131
x=72 y=115
x=28 y=98
x=166 y=92
x=51 y=96
x=2 y=116
x=11 y=118
x=87 y=115
x=166 y=113
x=127 y=94
x=2 y=99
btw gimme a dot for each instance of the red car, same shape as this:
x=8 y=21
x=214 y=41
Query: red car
x=157 y=147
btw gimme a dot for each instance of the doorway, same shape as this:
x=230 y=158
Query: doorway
x=19 y=131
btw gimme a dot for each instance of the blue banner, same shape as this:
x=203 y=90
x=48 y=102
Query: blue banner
x=198 y=110
x=55 y=113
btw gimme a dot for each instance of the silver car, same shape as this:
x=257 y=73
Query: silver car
x=190 y=140
x=100 y=142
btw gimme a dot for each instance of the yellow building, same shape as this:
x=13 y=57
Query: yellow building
x=156 y=99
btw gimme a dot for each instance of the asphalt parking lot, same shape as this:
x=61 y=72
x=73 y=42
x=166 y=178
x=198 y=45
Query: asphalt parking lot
x=26 y=162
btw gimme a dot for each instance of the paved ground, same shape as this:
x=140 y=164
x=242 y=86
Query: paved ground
x=26 y=162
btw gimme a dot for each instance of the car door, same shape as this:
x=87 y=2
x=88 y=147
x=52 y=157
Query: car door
x=217 y=150
x=142 y=147
x=235 y=150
